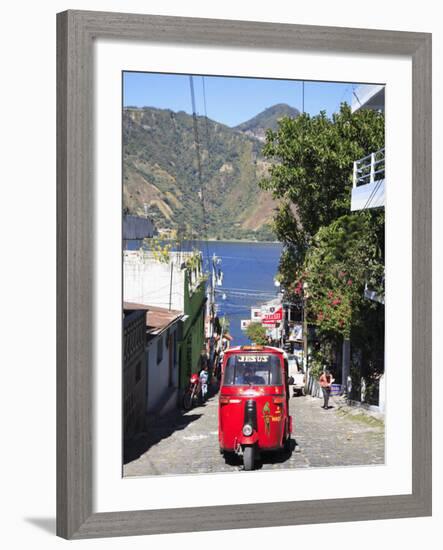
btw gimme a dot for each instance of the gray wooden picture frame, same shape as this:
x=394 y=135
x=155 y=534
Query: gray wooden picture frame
x=76 y=32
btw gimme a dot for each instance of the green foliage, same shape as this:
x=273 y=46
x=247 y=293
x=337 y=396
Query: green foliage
x=161 y=251
x=315 y=367
x=322 y=355
x=343 y=256
x=312 y=170
x=256 y=334
x=193 y=260
x=329 y=254
x=225 y=323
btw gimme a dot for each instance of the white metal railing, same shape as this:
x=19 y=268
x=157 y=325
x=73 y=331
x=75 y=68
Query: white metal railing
x=369 y=169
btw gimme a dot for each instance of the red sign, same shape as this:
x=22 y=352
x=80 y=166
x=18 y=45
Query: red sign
x=273 y=316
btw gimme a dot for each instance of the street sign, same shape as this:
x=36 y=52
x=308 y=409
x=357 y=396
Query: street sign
x=273 y=315
x=296 y=333
x=256 y=314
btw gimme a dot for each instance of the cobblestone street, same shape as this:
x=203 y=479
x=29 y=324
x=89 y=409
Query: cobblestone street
x=188 y=443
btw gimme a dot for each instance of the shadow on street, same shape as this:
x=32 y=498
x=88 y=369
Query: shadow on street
x=275 y=458
x=271 y=457
x=158 y=428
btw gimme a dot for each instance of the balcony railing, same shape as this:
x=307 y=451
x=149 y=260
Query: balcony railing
x=369 y=169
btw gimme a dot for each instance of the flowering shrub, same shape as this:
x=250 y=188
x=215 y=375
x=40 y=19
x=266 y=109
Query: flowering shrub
x=342 y=257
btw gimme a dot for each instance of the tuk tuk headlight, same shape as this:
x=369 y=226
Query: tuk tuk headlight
x=247 y=430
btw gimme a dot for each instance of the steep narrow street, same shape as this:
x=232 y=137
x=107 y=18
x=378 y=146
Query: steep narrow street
x=185 y=443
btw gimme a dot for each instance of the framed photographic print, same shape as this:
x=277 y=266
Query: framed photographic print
x=244 y=274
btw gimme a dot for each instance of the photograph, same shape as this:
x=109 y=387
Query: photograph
x=253 y=230
x=237 y=318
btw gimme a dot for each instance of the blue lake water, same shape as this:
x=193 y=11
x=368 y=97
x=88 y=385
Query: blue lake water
x=248 y=278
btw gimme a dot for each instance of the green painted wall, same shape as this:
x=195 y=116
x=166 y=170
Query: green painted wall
x=193 y=341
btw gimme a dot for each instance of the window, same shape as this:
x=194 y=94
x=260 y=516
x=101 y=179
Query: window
x=253 y=370
x=159 y=349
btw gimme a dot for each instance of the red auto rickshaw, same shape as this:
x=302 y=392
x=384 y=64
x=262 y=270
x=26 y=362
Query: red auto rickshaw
x=254 y=403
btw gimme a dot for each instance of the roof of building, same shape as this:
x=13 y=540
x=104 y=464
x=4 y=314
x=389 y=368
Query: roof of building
x=137 y=228
x=157 y=318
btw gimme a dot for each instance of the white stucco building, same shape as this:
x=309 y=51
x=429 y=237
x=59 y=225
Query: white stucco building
x=368 y=190
x=162 y=328
x=162 y=284
x=175 y=284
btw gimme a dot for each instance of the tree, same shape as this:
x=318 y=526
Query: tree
x=256 y=333
x=311 y=174
x=329 y=254
x=343 y=257
x=225 y=323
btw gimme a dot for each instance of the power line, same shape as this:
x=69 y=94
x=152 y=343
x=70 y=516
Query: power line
x=251 y=293
x=265 y=291
x=343 y=95
x=206 y=114
x=199 y=167
x=372 y=195
x=303 y=97
x=356 y=97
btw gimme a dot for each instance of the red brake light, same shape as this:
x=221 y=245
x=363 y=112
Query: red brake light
x=225 y=400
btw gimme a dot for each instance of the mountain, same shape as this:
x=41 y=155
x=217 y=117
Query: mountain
x=161 y=175
x=256 y=127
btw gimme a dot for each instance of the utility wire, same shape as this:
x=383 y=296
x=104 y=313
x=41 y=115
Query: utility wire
x=356 y=97
x=372 y=195
x=206 y=114
x=342 y=97
x=199 y=166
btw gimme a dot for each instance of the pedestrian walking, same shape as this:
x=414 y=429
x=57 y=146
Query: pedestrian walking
x=204 y=375
x=326 y=381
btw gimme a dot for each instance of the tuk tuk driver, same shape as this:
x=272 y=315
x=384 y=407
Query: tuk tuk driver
x=250 y=378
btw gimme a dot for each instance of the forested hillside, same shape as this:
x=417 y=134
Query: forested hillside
x=161 y=175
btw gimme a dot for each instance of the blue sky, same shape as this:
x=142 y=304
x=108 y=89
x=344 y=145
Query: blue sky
x=230 y=100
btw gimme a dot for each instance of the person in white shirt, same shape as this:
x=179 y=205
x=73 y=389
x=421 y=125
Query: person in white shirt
x=204 y=375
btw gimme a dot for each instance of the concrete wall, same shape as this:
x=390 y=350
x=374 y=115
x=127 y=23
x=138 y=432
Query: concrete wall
x=163 y=376
x=147 y=281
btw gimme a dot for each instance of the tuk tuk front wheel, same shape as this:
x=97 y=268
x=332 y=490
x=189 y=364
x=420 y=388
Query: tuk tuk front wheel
x=249 y=457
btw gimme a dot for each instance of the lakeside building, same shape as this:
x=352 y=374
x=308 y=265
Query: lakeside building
x=178 y=285
x=162 y=331
x=368 y=96
x=368 y=190
x=136 y=228
x=134 y=372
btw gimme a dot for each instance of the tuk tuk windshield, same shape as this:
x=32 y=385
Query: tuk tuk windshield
x=253 y=370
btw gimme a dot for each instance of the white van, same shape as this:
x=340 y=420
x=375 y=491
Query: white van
x=296 y=374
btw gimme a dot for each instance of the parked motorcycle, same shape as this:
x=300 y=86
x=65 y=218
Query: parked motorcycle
x=192 y=394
